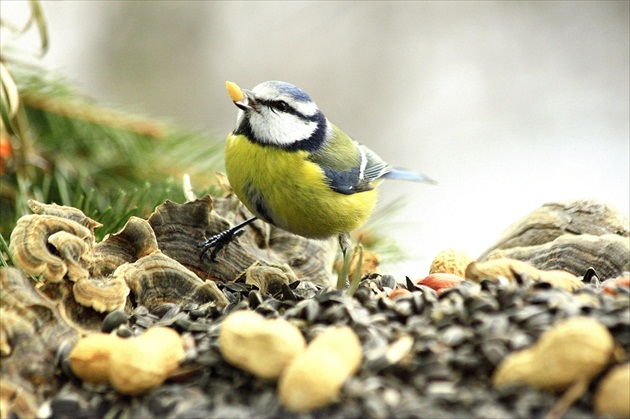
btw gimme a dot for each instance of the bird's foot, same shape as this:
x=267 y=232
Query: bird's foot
x=219 y=241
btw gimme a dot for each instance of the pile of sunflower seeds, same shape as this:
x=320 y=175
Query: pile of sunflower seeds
x=424 y=355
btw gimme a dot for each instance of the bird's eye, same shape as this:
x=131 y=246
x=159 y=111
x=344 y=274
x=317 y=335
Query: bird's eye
x=281 y=106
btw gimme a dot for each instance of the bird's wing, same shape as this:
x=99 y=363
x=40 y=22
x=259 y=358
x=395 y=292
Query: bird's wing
x=345 y=181
x=349 y=167
x=375 y=167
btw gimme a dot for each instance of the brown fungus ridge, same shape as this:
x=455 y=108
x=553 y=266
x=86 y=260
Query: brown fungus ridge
x=569 y=235
x=71 y=248
x=31 y=329
x=268 y=279
x=102 y=294
x=82 y=318
x=30 y=240
x=180 y=228
x=135 y=240
x=57 y=248
x=607 y=254
x=64 y=212
x=157 y=279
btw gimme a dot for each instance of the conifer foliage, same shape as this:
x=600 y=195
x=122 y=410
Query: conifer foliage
x=57 y=146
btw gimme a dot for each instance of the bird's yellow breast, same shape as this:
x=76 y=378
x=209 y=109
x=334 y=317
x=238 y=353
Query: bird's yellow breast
x=284 y=188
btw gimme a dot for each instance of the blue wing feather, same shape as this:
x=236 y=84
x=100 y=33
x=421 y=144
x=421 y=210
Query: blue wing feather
x=346 y=181
x=357 y=166
x=404 y=174
x=370 y=168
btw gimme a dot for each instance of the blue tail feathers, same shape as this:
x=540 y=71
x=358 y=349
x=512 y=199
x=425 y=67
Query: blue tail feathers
x=404 y=174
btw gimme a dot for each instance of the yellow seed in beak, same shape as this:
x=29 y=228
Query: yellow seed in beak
x=234 y=91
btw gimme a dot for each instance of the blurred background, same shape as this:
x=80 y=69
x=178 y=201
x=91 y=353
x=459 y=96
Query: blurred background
x=508 y=105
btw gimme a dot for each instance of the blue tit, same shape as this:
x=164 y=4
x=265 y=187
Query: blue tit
x=293 y=168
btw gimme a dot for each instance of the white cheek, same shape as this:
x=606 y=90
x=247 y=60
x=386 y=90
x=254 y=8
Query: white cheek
x=239 y=117
x=282 y=128
x=306 y=108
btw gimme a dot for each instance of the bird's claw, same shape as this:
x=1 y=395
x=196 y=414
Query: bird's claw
x=218 y=242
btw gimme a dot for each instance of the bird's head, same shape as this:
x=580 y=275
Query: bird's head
x=278 y=114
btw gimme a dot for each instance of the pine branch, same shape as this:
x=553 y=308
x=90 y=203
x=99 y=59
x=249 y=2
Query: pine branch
x=93 y=114
x=107 y=163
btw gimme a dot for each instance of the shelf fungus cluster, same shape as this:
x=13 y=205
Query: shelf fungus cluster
x=58 y=243
x=572 y=236
x=150 y=263
x=537 y=325
x=33 y=326
x=155 y=261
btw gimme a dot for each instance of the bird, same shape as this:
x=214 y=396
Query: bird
x=294 y=169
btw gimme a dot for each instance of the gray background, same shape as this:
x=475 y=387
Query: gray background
x=507 y=104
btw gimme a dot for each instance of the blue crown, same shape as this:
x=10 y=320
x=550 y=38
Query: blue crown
x=291 y=90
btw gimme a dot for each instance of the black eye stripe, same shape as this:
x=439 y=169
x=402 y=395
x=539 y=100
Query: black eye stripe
x=279 y=105
x=282 y=106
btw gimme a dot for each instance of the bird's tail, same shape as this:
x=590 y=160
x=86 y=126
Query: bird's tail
x=404 y=174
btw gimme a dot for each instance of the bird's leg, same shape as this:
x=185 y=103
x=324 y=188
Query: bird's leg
x=344 y=243
x=220 y=240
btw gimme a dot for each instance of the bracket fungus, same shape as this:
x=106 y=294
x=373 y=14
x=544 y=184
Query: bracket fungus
x=63 y=211
x=102 y=294
x=58 y=243
x=157 y=279
x=571 y=236
x=269 y=279
x=30 y=242
x=31 y=328
x=135 y=240
x=179 y=228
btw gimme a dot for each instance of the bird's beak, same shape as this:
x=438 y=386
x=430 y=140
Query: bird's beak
x=242 y=98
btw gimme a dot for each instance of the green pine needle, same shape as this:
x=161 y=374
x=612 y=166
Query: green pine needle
x=108 y=164
x=7 y=260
